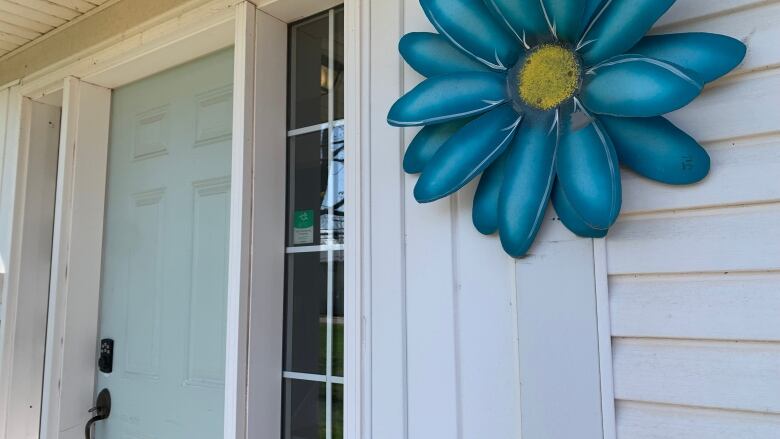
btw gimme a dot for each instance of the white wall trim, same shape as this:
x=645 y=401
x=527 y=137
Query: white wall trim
x=289 y=11
x=604 y=338
x=356 y=370
x=267 y=149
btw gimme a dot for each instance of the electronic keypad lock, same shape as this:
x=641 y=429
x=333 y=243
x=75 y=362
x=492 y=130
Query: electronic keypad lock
x=106 y=359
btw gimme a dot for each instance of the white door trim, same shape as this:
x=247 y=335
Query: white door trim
x=239 y=255
x=264 y=128
x=257 y=29
x=357 y=404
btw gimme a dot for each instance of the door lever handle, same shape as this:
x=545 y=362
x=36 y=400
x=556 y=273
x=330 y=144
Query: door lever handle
x=102 y=410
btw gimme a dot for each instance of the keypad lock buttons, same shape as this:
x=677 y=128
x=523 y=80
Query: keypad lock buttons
x=106 y=358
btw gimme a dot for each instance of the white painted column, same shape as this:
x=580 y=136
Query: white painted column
x=71 y=343
x=26 y=295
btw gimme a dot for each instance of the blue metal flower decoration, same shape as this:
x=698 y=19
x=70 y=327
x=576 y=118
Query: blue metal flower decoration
x=545 y=98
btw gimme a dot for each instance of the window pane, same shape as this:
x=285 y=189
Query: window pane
x=314 y=297
x=338 y=412
x=309 y=69
x=338 y=67
x=306 y=324
x=316 y=184
x=338 y=314
x=304 y=410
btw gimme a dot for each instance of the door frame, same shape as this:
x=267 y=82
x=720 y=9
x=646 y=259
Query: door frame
x=81 y=86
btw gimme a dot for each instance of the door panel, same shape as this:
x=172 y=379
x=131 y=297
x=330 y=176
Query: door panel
x=164 y=279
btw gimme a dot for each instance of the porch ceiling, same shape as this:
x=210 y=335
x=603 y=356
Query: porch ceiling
x=22 y=21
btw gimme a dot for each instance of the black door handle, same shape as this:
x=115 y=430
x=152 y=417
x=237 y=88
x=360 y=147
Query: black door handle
x=101 y=409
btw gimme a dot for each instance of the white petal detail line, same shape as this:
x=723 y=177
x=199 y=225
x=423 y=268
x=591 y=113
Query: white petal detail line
x=550 y=180
x=666 y=66
x=550 y=24
x=556 y=122
x=595 y=19
x=612 y=164
x=434 y=120
x=503 y=18
x=581 y=44
x=578 y=104
x=511 y=132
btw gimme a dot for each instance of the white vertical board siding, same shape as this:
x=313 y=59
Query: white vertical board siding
x=434 y=384
x=451 y=351
x=553 y=312
x=694 y=272
x=386 y=308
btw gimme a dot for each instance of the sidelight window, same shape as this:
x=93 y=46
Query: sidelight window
x=313 y=369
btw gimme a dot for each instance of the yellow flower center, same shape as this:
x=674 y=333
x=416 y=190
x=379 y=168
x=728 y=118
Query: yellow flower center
x=549 y=76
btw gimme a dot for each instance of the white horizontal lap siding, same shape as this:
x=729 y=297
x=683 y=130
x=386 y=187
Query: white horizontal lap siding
x=695 y=271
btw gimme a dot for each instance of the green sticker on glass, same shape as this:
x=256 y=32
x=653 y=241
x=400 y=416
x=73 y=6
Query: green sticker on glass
x=303 y=227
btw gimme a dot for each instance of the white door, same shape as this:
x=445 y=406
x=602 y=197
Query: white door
x=164 y=272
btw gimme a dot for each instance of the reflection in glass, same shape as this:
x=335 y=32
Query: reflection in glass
x=338 y=314
x=338 y=411
x=306 y=325
x=304 y=410
x=316 y=175
x=309 y=93
x=306 y=322
x=338 y=66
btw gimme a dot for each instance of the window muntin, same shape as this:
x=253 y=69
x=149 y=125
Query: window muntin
x=313 y=366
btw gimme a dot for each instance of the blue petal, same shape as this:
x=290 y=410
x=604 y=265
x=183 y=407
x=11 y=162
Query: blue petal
x=529 y=174
x=469 y=25
x=589 y=173
x=570 y=218
x=467 y=154
x=637 y=86
x=707 y=56
x=427 y=142
x=444 y=98
x=564 y=17
x=655 y=148
x=622 y=24
x=431 y=55
x=523 y=17
x=484 y=213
